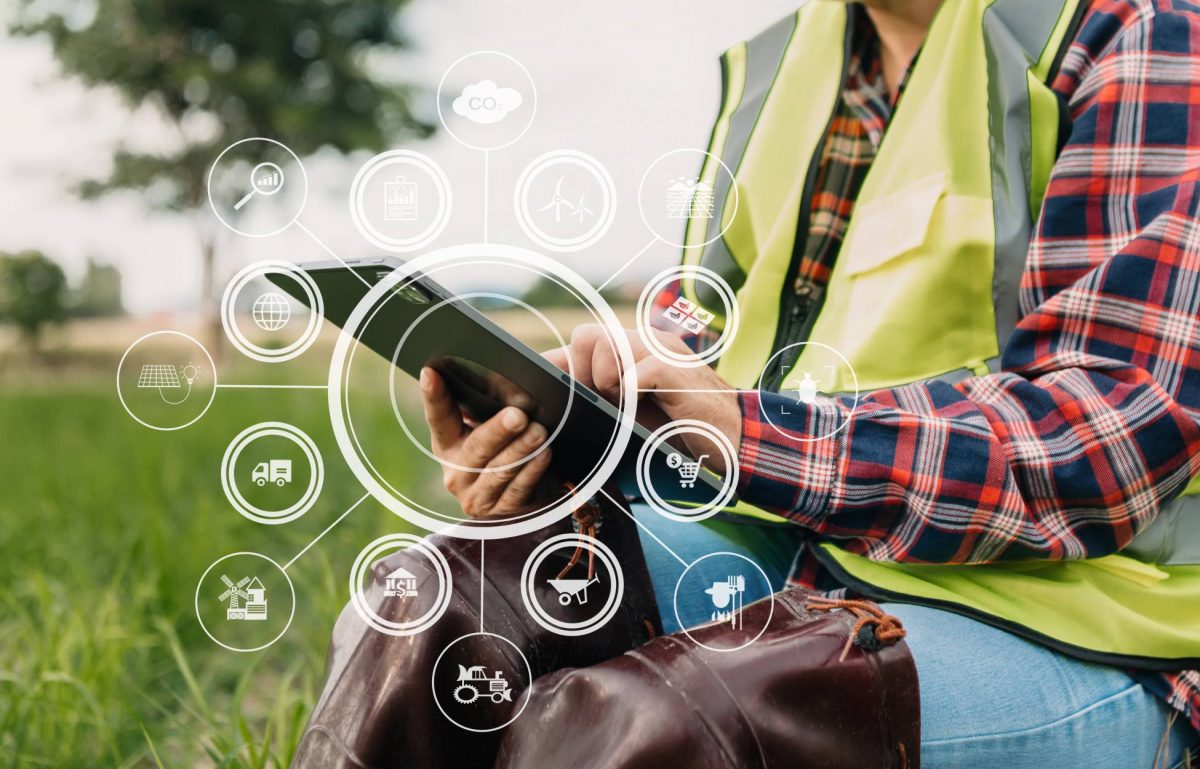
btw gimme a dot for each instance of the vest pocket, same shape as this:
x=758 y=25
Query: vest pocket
x=914 y=297
x=891 y=226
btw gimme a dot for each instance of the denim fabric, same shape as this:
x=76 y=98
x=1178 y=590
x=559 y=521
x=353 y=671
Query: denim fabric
x=988 y=698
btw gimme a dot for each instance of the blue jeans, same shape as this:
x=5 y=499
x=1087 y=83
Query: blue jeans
x=988 y=698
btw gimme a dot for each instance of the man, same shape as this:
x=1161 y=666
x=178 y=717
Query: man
x=989 y=210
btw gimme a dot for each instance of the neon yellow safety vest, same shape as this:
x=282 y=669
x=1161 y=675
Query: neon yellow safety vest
x=925 y=285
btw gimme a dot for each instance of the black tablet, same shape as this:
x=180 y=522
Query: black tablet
x=485 y=367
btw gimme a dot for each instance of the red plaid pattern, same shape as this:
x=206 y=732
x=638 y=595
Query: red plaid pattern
x=1093 y=423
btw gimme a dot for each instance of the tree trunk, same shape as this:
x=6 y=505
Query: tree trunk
x=210 y=312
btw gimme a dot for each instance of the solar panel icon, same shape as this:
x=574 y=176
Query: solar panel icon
x=158 y=376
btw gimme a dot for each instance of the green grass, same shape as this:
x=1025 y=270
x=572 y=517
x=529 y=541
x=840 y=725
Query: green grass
x=105 y=528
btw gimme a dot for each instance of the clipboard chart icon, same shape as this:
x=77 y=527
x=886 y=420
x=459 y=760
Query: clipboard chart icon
x=400 y=200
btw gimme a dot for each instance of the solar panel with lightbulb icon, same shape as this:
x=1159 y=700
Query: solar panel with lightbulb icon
x=164 y=376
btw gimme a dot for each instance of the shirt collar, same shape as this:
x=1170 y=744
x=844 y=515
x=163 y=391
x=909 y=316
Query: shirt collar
x=864 y=90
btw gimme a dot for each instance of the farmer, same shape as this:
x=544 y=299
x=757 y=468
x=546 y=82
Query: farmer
x=989 y=209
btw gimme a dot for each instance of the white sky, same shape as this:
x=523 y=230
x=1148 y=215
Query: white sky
x=623 y=80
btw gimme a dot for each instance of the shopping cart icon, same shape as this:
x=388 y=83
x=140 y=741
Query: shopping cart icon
x=688 y=471
x=572 y=588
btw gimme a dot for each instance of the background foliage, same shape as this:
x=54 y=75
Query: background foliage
x=105 y=527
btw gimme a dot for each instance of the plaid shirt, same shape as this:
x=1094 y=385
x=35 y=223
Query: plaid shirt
x=1093 y=422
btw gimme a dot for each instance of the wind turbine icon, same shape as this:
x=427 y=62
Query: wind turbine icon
x=558 y=203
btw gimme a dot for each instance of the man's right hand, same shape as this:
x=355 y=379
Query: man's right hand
x=504 y=439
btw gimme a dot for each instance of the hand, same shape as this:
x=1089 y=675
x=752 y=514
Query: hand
x=666 y=392
x=504 y=439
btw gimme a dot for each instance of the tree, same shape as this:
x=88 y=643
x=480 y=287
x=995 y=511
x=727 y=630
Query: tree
x=307 y=73
x=98 y=294
x=32 y=291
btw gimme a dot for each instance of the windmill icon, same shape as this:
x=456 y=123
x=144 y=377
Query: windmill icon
x=559 y=203
x=236 y=595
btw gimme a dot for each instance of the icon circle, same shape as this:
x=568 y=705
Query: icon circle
x=664 y=173
x=253 y=188
x=465 y=698
x=685 y=625
x=297 y=347
x=489 y=130
x=646 y=306
x=649 y=453
x=254 y=636
x=399 y=412
x=567 y=159
x=400 y=162
x=829 y=352
x=237 y=499
x=184 y=375
x=516 y=258
x=376 y=550
x=569 y=589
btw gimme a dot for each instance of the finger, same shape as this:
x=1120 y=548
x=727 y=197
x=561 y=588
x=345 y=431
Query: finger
x=507 y=465
x=441 y=412
x=559 y=356
x=583 y=341
x=606 y=369
x=653 y=374
x=486 y=441
x=671 y=341
x=521 y=488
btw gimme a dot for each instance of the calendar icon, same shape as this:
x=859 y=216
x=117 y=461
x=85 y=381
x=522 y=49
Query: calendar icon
x=400 y=200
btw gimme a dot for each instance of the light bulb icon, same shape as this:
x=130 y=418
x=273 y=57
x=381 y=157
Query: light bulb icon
x=190 y=372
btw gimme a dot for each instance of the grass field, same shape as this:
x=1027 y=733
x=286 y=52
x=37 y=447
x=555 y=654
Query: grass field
x=105 y=528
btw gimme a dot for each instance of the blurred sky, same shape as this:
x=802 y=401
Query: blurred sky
x=623 y=80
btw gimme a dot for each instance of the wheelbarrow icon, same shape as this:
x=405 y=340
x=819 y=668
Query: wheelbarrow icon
x=572 y=588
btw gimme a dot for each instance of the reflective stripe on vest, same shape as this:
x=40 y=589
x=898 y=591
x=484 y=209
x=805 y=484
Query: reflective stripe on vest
x=926 y=283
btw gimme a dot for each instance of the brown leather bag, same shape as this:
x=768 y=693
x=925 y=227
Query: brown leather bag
x=799 y=696
x=790 y=699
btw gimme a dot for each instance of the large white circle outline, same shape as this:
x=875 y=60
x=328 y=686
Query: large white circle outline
x=611 y=604
x=239 y=649
x=261 y=354
x=645 y=303
x=687 y=631
x=793 y=436
x=526 y=694
x=454 y=465
x=212 y=204
x=525 y=216
x=431 y=272
x=363 y=562
x=211 y=367
x=558 y=511
x=732 y=186
x=316 y=480
x=533 y=104
x=728 y=484
x=440 y=182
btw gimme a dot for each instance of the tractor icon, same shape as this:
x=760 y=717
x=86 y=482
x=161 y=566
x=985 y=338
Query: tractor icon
x=474 y=683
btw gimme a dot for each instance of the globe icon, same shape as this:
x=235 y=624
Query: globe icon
x=271 y=312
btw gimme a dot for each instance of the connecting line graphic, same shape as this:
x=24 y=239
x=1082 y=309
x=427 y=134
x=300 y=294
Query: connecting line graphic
x=329 y=251
x=272 y=387
x=487 y=172
x=328 y=529
x=645 y=248
x=641 y=525
x=482 y=582
x=692 y=390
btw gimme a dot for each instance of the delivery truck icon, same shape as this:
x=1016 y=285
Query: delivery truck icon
x=277 y=471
